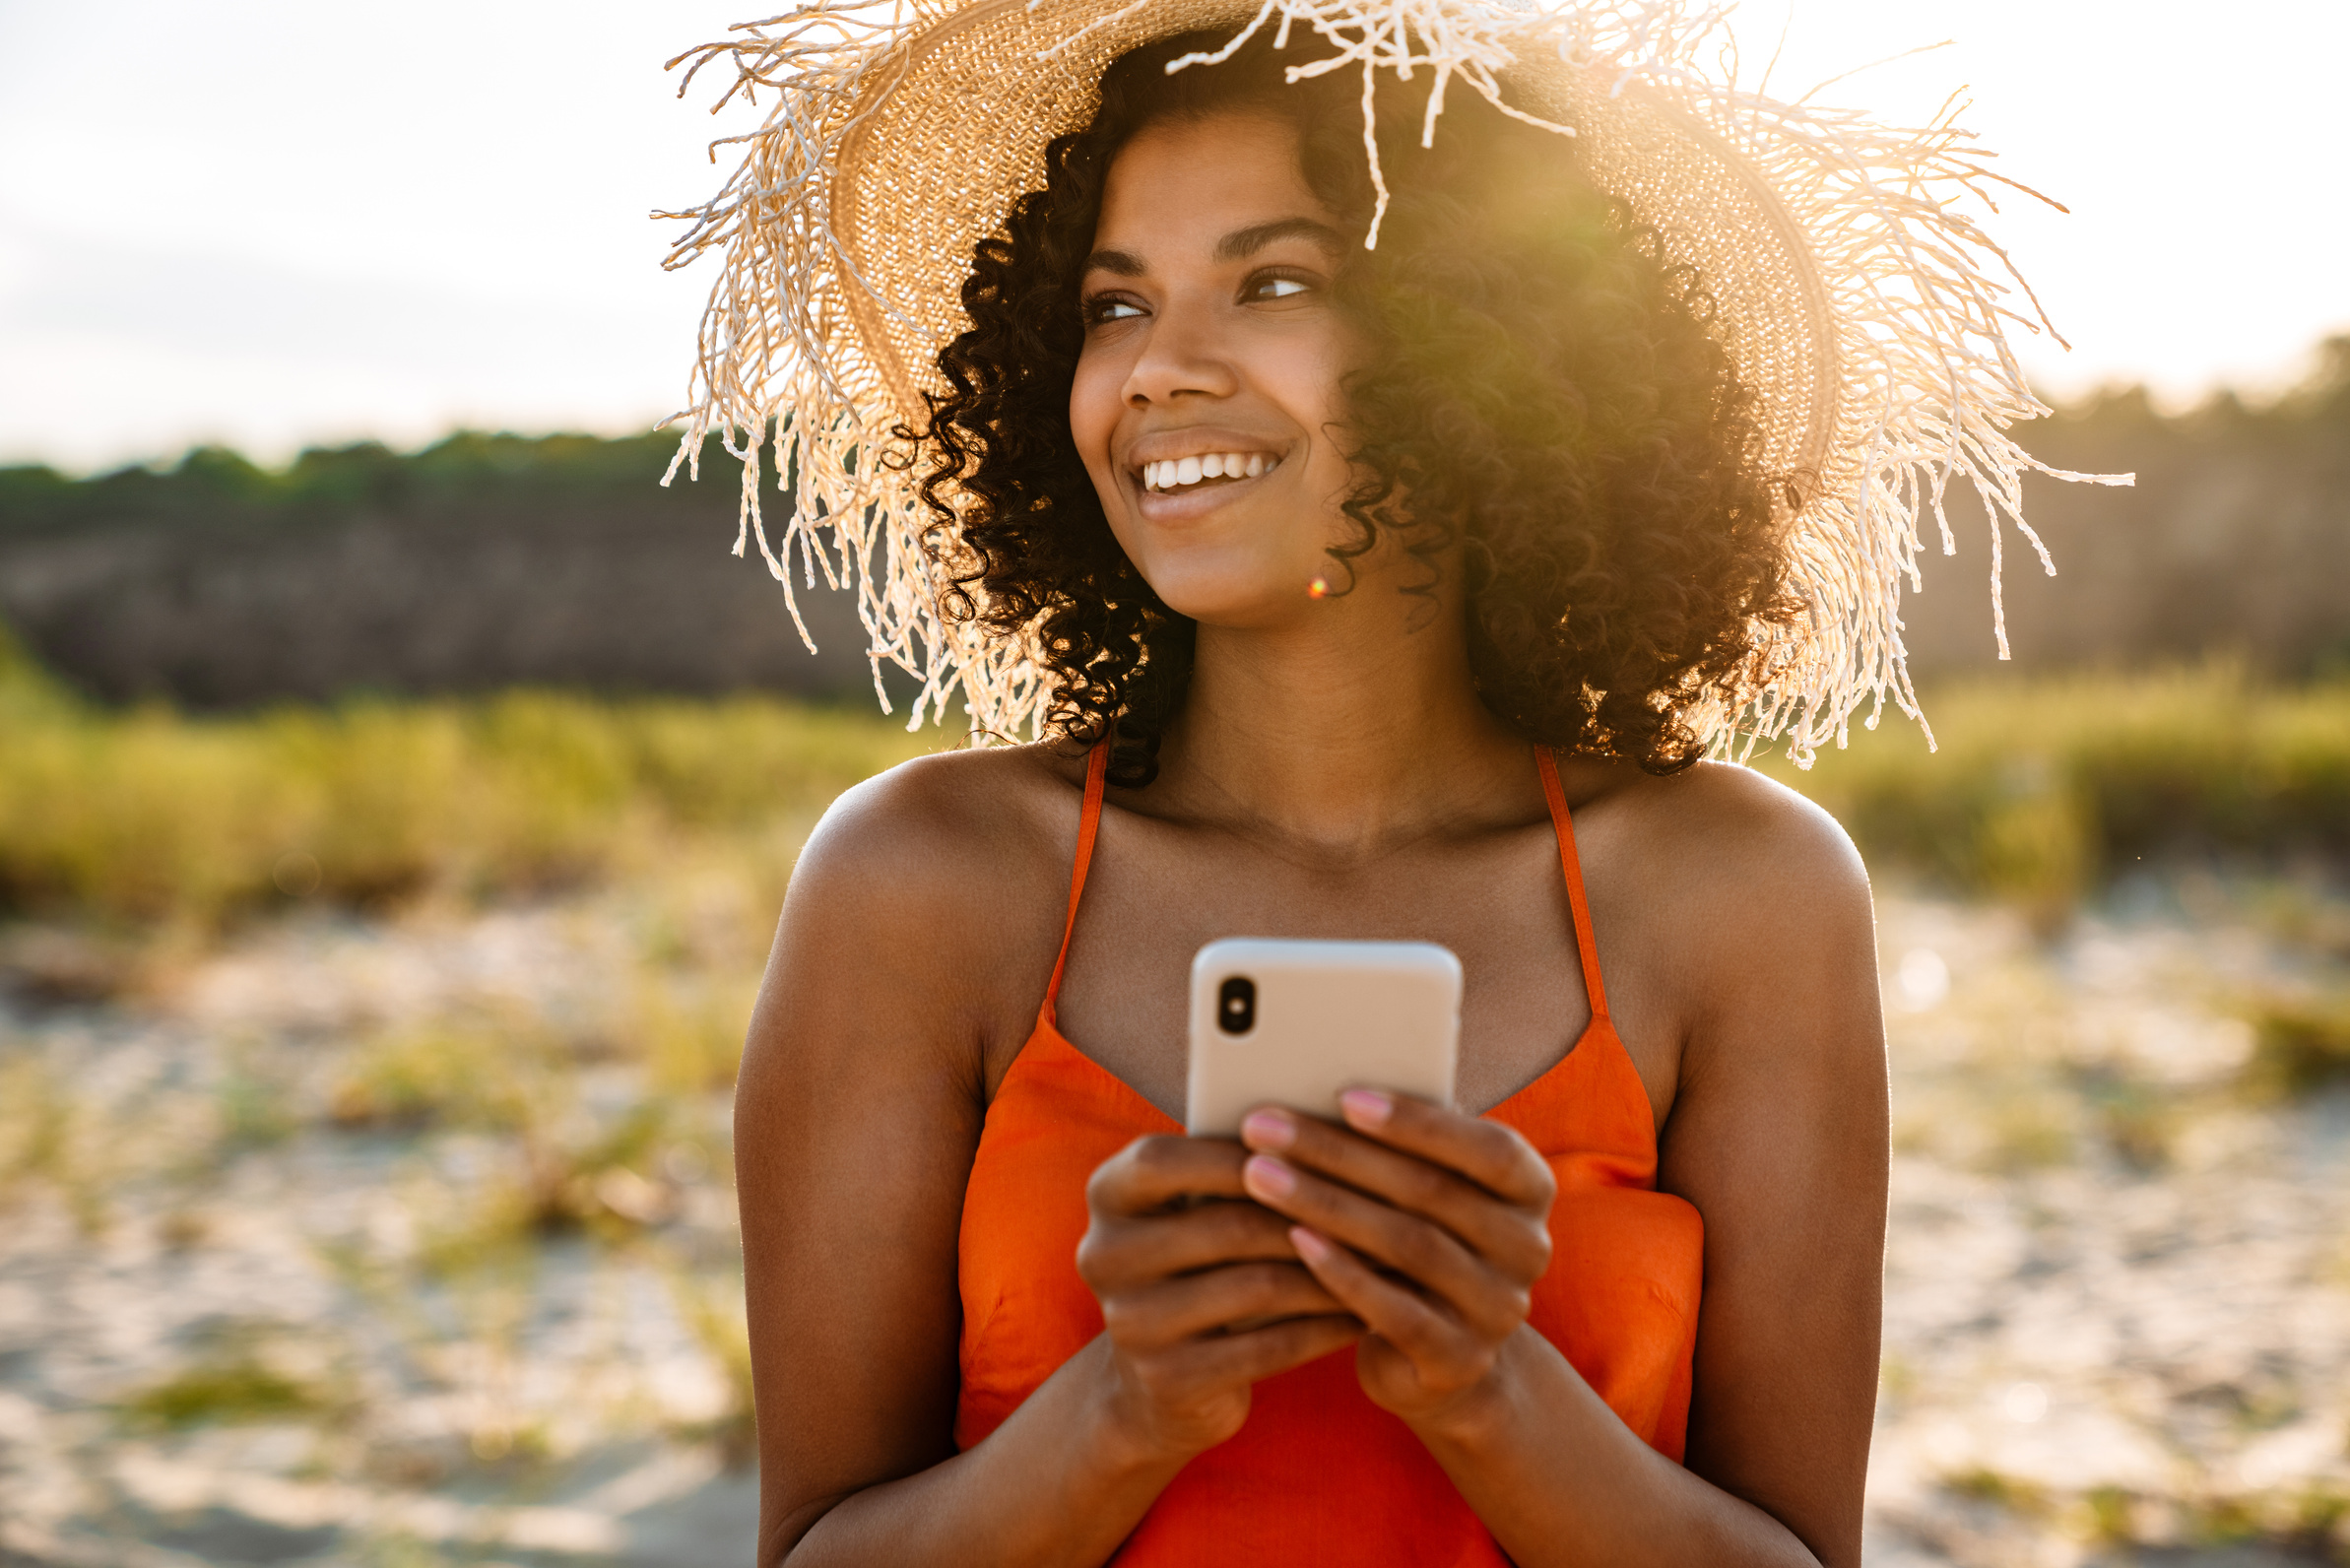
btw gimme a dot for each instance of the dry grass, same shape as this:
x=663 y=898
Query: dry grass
x=514 y=1177
x=2300 y=1046
x=2309 y=1523
x=240 y=1387
x=2041 y=789
x=153 y=816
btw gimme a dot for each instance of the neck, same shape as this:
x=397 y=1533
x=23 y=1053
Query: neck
x=1346 y=732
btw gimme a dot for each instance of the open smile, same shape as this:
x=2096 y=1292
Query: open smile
x=1175 y=475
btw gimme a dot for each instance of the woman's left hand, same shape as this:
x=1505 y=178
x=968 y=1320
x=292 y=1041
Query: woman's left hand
x=1429 y=1225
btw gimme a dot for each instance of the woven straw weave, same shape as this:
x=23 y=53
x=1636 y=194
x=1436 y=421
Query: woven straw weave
x=1852 y=291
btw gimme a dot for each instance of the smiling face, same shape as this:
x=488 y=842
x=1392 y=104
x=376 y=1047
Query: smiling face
x=1566 y=518
x=1207 y=399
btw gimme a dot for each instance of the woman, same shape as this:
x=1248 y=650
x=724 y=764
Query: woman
x=1370 y=591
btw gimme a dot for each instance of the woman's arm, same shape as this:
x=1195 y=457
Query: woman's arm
x=1777 y=1135
x=857 y=1116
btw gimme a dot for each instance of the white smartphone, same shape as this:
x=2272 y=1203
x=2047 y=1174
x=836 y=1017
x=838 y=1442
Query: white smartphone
x=1296 y=1023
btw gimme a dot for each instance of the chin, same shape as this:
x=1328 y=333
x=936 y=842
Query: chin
x=1232 y=599
x=1229 y=582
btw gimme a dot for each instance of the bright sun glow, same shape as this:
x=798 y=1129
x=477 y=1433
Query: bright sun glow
x=272 y=223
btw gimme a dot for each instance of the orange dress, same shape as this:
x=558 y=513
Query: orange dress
x=1319 y=1474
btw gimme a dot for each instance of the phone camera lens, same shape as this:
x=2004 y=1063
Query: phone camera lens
x=1236 y=1004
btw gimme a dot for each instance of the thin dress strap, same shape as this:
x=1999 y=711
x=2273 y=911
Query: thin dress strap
x=1564 y=826
x=1097 y=773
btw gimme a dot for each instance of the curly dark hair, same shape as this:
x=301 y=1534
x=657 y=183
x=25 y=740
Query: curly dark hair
x=1539 y=382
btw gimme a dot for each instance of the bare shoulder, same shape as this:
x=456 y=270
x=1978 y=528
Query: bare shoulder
x=1731 y=833
x=927 y=894
x=942 y=828
x=1737 y=840
x=1744 y=889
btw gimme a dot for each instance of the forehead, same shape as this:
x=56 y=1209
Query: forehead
x=1180 y=185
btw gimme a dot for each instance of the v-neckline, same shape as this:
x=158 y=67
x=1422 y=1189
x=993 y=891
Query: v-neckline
x=1587 y=951
x=1146 y=1108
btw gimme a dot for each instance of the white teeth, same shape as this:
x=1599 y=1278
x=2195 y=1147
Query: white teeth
x=1175 y=473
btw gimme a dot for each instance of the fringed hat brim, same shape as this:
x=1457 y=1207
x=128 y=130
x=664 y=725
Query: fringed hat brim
x=1852 y=291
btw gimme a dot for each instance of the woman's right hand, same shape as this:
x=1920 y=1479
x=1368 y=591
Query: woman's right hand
x=1202 y=1292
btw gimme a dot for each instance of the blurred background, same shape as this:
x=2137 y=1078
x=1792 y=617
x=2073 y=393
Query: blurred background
x=398 y=786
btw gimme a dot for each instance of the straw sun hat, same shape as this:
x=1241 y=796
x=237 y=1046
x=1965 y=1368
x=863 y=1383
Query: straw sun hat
x=1855 y=291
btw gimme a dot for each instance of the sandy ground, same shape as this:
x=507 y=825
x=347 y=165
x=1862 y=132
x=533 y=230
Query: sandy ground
x=410 y=1243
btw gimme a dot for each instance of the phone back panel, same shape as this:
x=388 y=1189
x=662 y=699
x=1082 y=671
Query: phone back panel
x=1327 y=1016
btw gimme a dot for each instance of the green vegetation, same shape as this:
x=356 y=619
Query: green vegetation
x=153 y=816
x=2042 y=790
x=553 y=1127
x=2300 y=1046
x=237 y=1387
x=441 y=1073
x=212 y=484
x=2000 y=1490
x=48 y=1140
x=2039 y=792
x=2306 y=1522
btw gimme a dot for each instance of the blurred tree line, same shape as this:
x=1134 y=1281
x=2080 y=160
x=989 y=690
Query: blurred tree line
x=488 y=561
x=2234 y=541
x=213 y=485
x=482 y=563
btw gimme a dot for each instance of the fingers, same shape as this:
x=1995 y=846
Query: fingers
x=1164 y=1271
x=1488 y=1300
x=1261 y=1353
x=1496 y=1156
x=1141 y=1230
x=1512 y=1236
x=1395 y=1313
x=1154 y=1174
x=1207 y=1365
x=1155 y=1316
x=1200 y=1299
x=1118 y=1250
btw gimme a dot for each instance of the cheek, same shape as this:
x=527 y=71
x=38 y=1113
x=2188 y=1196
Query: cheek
x=1094 y=404
x=1309 y=383
x=1329 y=388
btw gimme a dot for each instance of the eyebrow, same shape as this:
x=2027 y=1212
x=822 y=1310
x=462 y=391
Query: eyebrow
x=1238 y=245
x=1242 y=244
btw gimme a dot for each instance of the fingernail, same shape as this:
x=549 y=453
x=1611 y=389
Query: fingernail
x=1268 y=1129
x=1310 y=1247
x=1270 y=1177
x=1366 y=1108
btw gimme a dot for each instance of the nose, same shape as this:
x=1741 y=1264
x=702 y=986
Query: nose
x=1182 y=355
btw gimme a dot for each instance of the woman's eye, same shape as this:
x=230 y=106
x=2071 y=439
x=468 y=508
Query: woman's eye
x=1111 y=310
x=1278 y=288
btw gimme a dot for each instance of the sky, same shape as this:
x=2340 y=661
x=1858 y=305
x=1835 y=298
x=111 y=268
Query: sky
x=273 y=223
